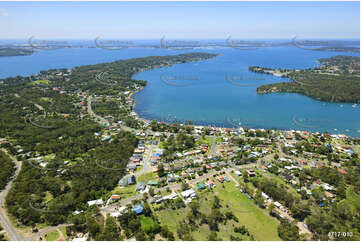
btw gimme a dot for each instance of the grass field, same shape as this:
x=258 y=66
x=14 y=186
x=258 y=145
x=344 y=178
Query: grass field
x=147 y=223
x=53 y=235
x=63 y=231
x=40 y=82
x=353 y=198
x=147 y=176
x=257 y=220
x=205 y=141
x=125 y=192
x=219 y=140
x=172 y=218
x=46 y=99
x=260 y=224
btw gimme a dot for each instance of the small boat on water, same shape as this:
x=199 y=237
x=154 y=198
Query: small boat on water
x=354 y=105
x=341 y=106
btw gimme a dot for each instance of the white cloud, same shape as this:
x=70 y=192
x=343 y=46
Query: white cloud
x=3 y=12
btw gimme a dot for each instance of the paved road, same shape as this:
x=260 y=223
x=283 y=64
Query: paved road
x=146 y=164
x=45 y=231
x=232 y=178
x=5 y=222
x=172 y=187
x=100 y=119
x=213 y=148
x=97 y=118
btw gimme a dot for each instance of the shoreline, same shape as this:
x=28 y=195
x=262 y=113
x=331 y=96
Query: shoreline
x=143 y=119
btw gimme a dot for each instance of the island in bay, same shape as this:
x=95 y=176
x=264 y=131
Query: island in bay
x=336 y=80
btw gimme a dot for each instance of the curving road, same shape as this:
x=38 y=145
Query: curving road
x=100 y=119
x=97 y=118
x=4 y=220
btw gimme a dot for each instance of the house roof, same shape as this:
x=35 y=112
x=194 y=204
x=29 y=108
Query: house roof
x=138 y=209
x=200 y=186
x=115 y=197
x=152 y=183
x=328 y=194
x=342 y=171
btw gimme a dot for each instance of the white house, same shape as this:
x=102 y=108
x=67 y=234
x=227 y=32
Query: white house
x=115 y=214
x=170 y=196
x=265 y=196
x=122 y=209
x=278 y=205
x=238 y=173
x=96 y=202
x=188 y=193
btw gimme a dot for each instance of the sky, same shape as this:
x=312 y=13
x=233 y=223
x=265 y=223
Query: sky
x=208 y=20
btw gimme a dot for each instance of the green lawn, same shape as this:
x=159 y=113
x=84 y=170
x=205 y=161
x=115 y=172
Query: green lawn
x=353 y=198
x=63 y=231
x=257 y=220
x=219 y=140
x=147 y=176
x=260 y=224
x=52 y=236
x=161 y=145
x=38 y=82
x=125 y=192
x=172 y=218
x=147 y=223
x=45 y=99
x=206 y=141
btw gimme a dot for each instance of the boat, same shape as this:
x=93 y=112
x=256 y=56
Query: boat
x=354 y=105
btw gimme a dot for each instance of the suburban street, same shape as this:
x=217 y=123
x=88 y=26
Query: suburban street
x=147 y=166
x=173 y=187
x=213 y=148
x=98 y=119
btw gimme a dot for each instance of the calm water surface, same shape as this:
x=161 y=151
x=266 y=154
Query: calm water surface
x=220 y=91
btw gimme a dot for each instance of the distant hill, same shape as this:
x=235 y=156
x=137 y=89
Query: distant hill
x=7 y=51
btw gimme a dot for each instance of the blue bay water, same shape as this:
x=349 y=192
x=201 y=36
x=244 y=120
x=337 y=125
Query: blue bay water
x=220 y=91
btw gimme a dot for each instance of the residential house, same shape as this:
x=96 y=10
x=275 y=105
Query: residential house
x=96 y=202
x=200 y=186
x=115 y=197
x=140 y=186
x=220 y=179
x=138 y=209
x=211 y=184
x=329 y=195
x=131 y=180
x=152 y=183
x=251 y=173
x=278 y=205
x=188 y=193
